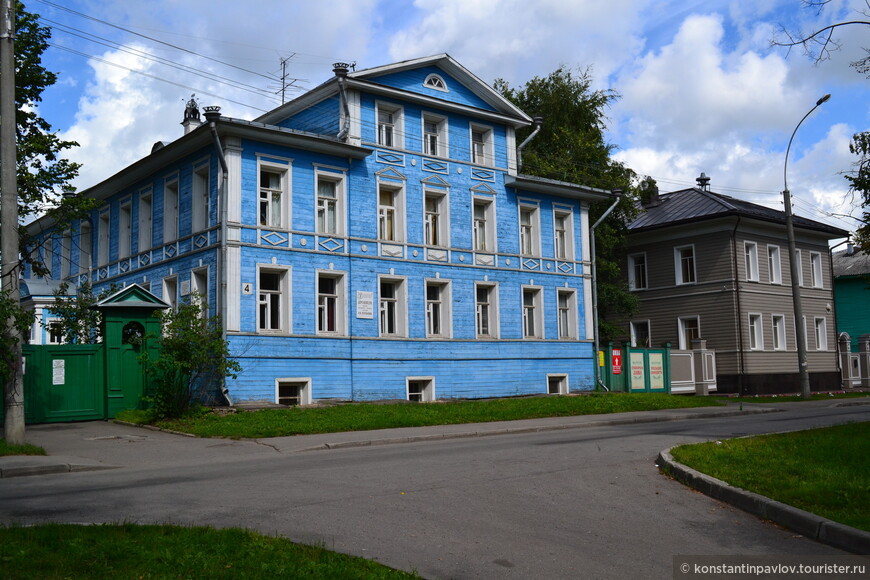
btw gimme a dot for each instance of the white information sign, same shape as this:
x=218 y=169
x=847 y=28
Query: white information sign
x=58 y=369
x=365 y=304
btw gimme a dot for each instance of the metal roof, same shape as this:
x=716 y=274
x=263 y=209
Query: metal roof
x=40 y=287
x=856 y=263
x=693 y=205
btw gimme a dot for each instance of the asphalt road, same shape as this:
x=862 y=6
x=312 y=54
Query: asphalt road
x=574 y=503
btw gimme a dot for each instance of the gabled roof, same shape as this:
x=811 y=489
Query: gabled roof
x=851 y=262
x=367 y=80
x=133 y=296
x=694 y=205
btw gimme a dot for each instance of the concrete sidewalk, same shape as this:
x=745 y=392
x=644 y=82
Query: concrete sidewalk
x=95 y=445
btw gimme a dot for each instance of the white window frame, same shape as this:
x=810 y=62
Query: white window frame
x=169 y=292
x=170 y=210
x=86 y=241
x=65 y=254
x=425 y=395
x=146 y=220
x=440 y=307
x=283 y=301
x=821 y=331
x=774 y=265
x=399 y=307
x=750 y=261
x=635 y=260
x=816 y=270
x=679 y=260
x=48 y=324
x=756 y=332
x=266 y=194
x=340 y=303
x=485 y=242
x=566 y=314
x=482 y=151
x=530 y=233
x=304 y=384
x=441 y=135
x=105 y=236
x=436 y=82
x=561 y=385
x=532 y=312
x=685 y=342
x=199 y=198
x=800 y=267
x=199 y=287
x=436 y=224
x=563 y=239
x=492 y=312
x=778 y=328
x=396 y=130
x=397 y=210
x=339 y=203
x=125 y=230
x=633 y=326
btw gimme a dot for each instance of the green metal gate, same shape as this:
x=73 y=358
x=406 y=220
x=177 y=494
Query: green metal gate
x=64 y=383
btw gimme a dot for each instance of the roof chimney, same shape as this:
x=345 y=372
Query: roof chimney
x=341 y=69
x=212 y=113
x=191 y=116
x=703 y=182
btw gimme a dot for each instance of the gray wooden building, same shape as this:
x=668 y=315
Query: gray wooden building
x=705 y=265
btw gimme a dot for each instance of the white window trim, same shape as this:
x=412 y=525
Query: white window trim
x=428 y=394
x=678 y=264
x=563 y=383
x=538 y=312
x=681 y=325
x=171 y=215
x=494 y=327
x=286 y=318
x=756 y=331
x=125 y=229
x=818 y=276
x=305 y=392
x=283 y=168
x=443 y=203
x=401 y=306
x=398 y=190
x=65 y=254
x=632 y=277
x=488 y=144
x=561 y=211
x=47 y=323
x=777 y=345
x=146 y=220
x=489 y=238
x=446 y=296
x=633 y=331
x=573 y=325
x=196 y=274
x=535 y=226
x=341 y=302
x=435 y=82
x=398 y=124
x=750 y=261
x=104 y=236
x=800 y=267
x=200 y=196
x=821 y=337
x=86 y=245
x=165 y=293
x=774 y=264
x=340 y=202
x=441 y=128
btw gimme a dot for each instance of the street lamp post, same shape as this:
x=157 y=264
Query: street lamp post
x=800 y=327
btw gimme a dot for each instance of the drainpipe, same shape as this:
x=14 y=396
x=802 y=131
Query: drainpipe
x=340 y=69
x=537 y=121
x=212 y=114
x=618 y=194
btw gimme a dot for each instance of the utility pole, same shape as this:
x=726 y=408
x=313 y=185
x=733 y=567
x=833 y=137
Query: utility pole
x=13 y=426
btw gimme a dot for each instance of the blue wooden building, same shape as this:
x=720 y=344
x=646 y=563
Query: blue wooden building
x=372 y=239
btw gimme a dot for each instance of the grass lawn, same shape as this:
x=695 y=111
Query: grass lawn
x=823 y=471
x=58 y=551
x=367 y=416
x=26 y=449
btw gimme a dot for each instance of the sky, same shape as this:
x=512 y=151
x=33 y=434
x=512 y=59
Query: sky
x=701 y=88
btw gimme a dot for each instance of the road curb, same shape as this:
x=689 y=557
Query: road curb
x=534 y=429
x=48 y=469
x=808 y=524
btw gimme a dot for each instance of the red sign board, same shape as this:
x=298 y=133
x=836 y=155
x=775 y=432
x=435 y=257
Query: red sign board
x=616 y=361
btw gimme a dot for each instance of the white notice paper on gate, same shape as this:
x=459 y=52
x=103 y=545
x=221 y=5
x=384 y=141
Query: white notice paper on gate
x=57 y=371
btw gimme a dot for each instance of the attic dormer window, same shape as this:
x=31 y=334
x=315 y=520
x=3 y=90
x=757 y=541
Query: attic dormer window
x=434 y=81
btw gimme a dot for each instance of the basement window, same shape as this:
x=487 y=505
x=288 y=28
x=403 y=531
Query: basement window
x=557 y=384
x=421 y=389
x=293 y=392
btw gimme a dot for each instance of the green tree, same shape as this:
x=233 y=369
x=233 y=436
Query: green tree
x=80 y=323
x=571 y=146
x=193 y=359
x=818 y=45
